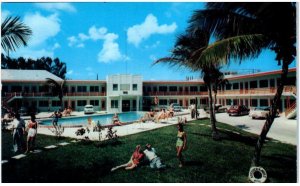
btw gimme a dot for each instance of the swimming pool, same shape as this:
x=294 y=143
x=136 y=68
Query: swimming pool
x=105 y=119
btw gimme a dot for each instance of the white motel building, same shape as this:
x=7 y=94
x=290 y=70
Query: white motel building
x=122 y=93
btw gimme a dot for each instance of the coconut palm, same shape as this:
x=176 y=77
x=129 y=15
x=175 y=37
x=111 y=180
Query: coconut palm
x=57 y=89
x=243 y=30
x=14 y=34
x=181 y=56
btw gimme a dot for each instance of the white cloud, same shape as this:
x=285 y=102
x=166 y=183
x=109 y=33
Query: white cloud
x=153 y=57
x=110 y=50
x=56 y=46
x=83 y=37
x=137 y=33
x=154 y=45
x=96 y=34
x=43 y=27
x=4 y=14
x=54 y=7
x=70 y=72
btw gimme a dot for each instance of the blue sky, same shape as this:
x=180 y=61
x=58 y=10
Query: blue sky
x=113 y=38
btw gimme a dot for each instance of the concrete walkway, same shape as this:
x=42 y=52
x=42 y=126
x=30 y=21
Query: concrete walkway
x=282 y=129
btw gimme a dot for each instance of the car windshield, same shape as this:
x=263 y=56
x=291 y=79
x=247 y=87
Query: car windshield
x=89 y=107
x=234 y=107
x=262 y=108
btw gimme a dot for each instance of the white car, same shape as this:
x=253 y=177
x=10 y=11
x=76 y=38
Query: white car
x=259 y=112
x=176 y=107
x=89 y=109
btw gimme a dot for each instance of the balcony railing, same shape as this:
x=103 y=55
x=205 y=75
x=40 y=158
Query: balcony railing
x=45 y=94
x=173 y=93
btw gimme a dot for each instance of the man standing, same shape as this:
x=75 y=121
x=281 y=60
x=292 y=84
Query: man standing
x=18 y=132
x=154 y=160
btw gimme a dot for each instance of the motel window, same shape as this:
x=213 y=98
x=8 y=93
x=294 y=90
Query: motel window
x=241 y=85
x=65 y=89
x=163 y=102
x=26 y=89
x=186 y=89
x=180 y=89
x=272 y=82
x=115 y=87
x=253 y=84
x=81 y=103
x=192 y=101
x=228 y=101
x=94 y=88
x=228 y=86
x=103 y=89
x=263 y=83
x=203 y=88
x=43 y=103
x=173 y=89
x=134 y=87
x=33 y=89
x=154 y=89
x=148 y=89
x=254 y=102
x=94 y=102
x=173 y=101
x=42 y=89
x=235 y=86
x=55 y=104
x=203 y=101
x=114 y=104
x=73 y=89
x=124 y=86
x=264 y=103
x=162 y=89
x=81 y=89
x=16 y=89
x=194 y=89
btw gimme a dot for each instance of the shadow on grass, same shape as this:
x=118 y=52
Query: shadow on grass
x=231 y=136
x=193 y=163
x=108 y=143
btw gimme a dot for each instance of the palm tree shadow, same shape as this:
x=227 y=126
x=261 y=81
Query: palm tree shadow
x=232 y=136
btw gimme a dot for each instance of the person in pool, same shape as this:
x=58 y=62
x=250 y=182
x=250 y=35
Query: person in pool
x=116 y=120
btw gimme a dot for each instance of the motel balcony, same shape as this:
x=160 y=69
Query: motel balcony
x=11 y=95
x=171 y=93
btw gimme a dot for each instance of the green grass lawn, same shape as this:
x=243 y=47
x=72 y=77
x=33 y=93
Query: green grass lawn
x=206 y=160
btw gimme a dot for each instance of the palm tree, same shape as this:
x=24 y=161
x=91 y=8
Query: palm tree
x=242 y=30
x=181 y=56
x=57 y=89
x=14 y=34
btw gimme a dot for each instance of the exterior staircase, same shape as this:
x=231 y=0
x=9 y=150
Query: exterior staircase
x=291 y=111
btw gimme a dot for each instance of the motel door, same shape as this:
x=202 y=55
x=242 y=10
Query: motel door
x=125 y=105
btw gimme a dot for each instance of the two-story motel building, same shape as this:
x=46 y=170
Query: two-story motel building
x=121 y=93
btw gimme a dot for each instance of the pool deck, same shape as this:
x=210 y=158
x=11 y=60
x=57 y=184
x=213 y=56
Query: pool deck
x=122 y=130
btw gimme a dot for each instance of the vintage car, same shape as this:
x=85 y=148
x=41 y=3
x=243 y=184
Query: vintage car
x=238 y=110
x=260 y=112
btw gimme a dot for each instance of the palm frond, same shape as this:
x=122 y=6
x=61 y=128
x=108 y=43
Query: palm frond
x=14 y=34
x=236 y=48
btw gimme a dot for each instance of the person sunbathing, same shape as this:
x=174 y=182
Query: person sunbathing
x=149 y=116
x=161 y=115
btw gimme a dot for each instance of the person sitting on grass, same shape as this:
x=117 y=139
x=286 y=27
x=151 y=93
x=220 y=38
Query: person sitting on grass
x=155 y=161
x=116 y=120
x=136 y=158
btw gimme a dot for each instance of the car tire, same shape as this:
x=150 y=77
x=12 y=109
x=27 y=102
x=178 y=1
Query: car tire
x=253 y=117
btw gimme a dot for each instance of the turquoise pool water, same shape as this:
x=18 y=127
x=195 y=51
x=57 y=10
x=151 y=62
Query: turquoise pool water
x=104 y=119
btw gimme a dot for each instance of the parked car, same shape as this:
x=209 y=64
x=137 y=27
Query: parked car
x=89 y=109
x=219 y=108
x=238 y=110
x=260 y=112
x=176 y=107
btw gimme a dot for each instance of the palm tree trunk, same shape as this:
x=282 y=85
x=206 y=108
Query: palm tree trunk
x=215 y=133
x=271 y=116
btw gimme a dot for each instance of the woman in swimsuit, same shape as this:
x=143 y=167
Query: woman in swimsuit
x=181 y=143
x=32 y=131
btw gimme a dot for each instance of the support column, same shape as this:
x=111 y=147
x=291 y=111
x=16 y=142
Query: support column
x=137 y=103
x=282 y=104
x=120 y=104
